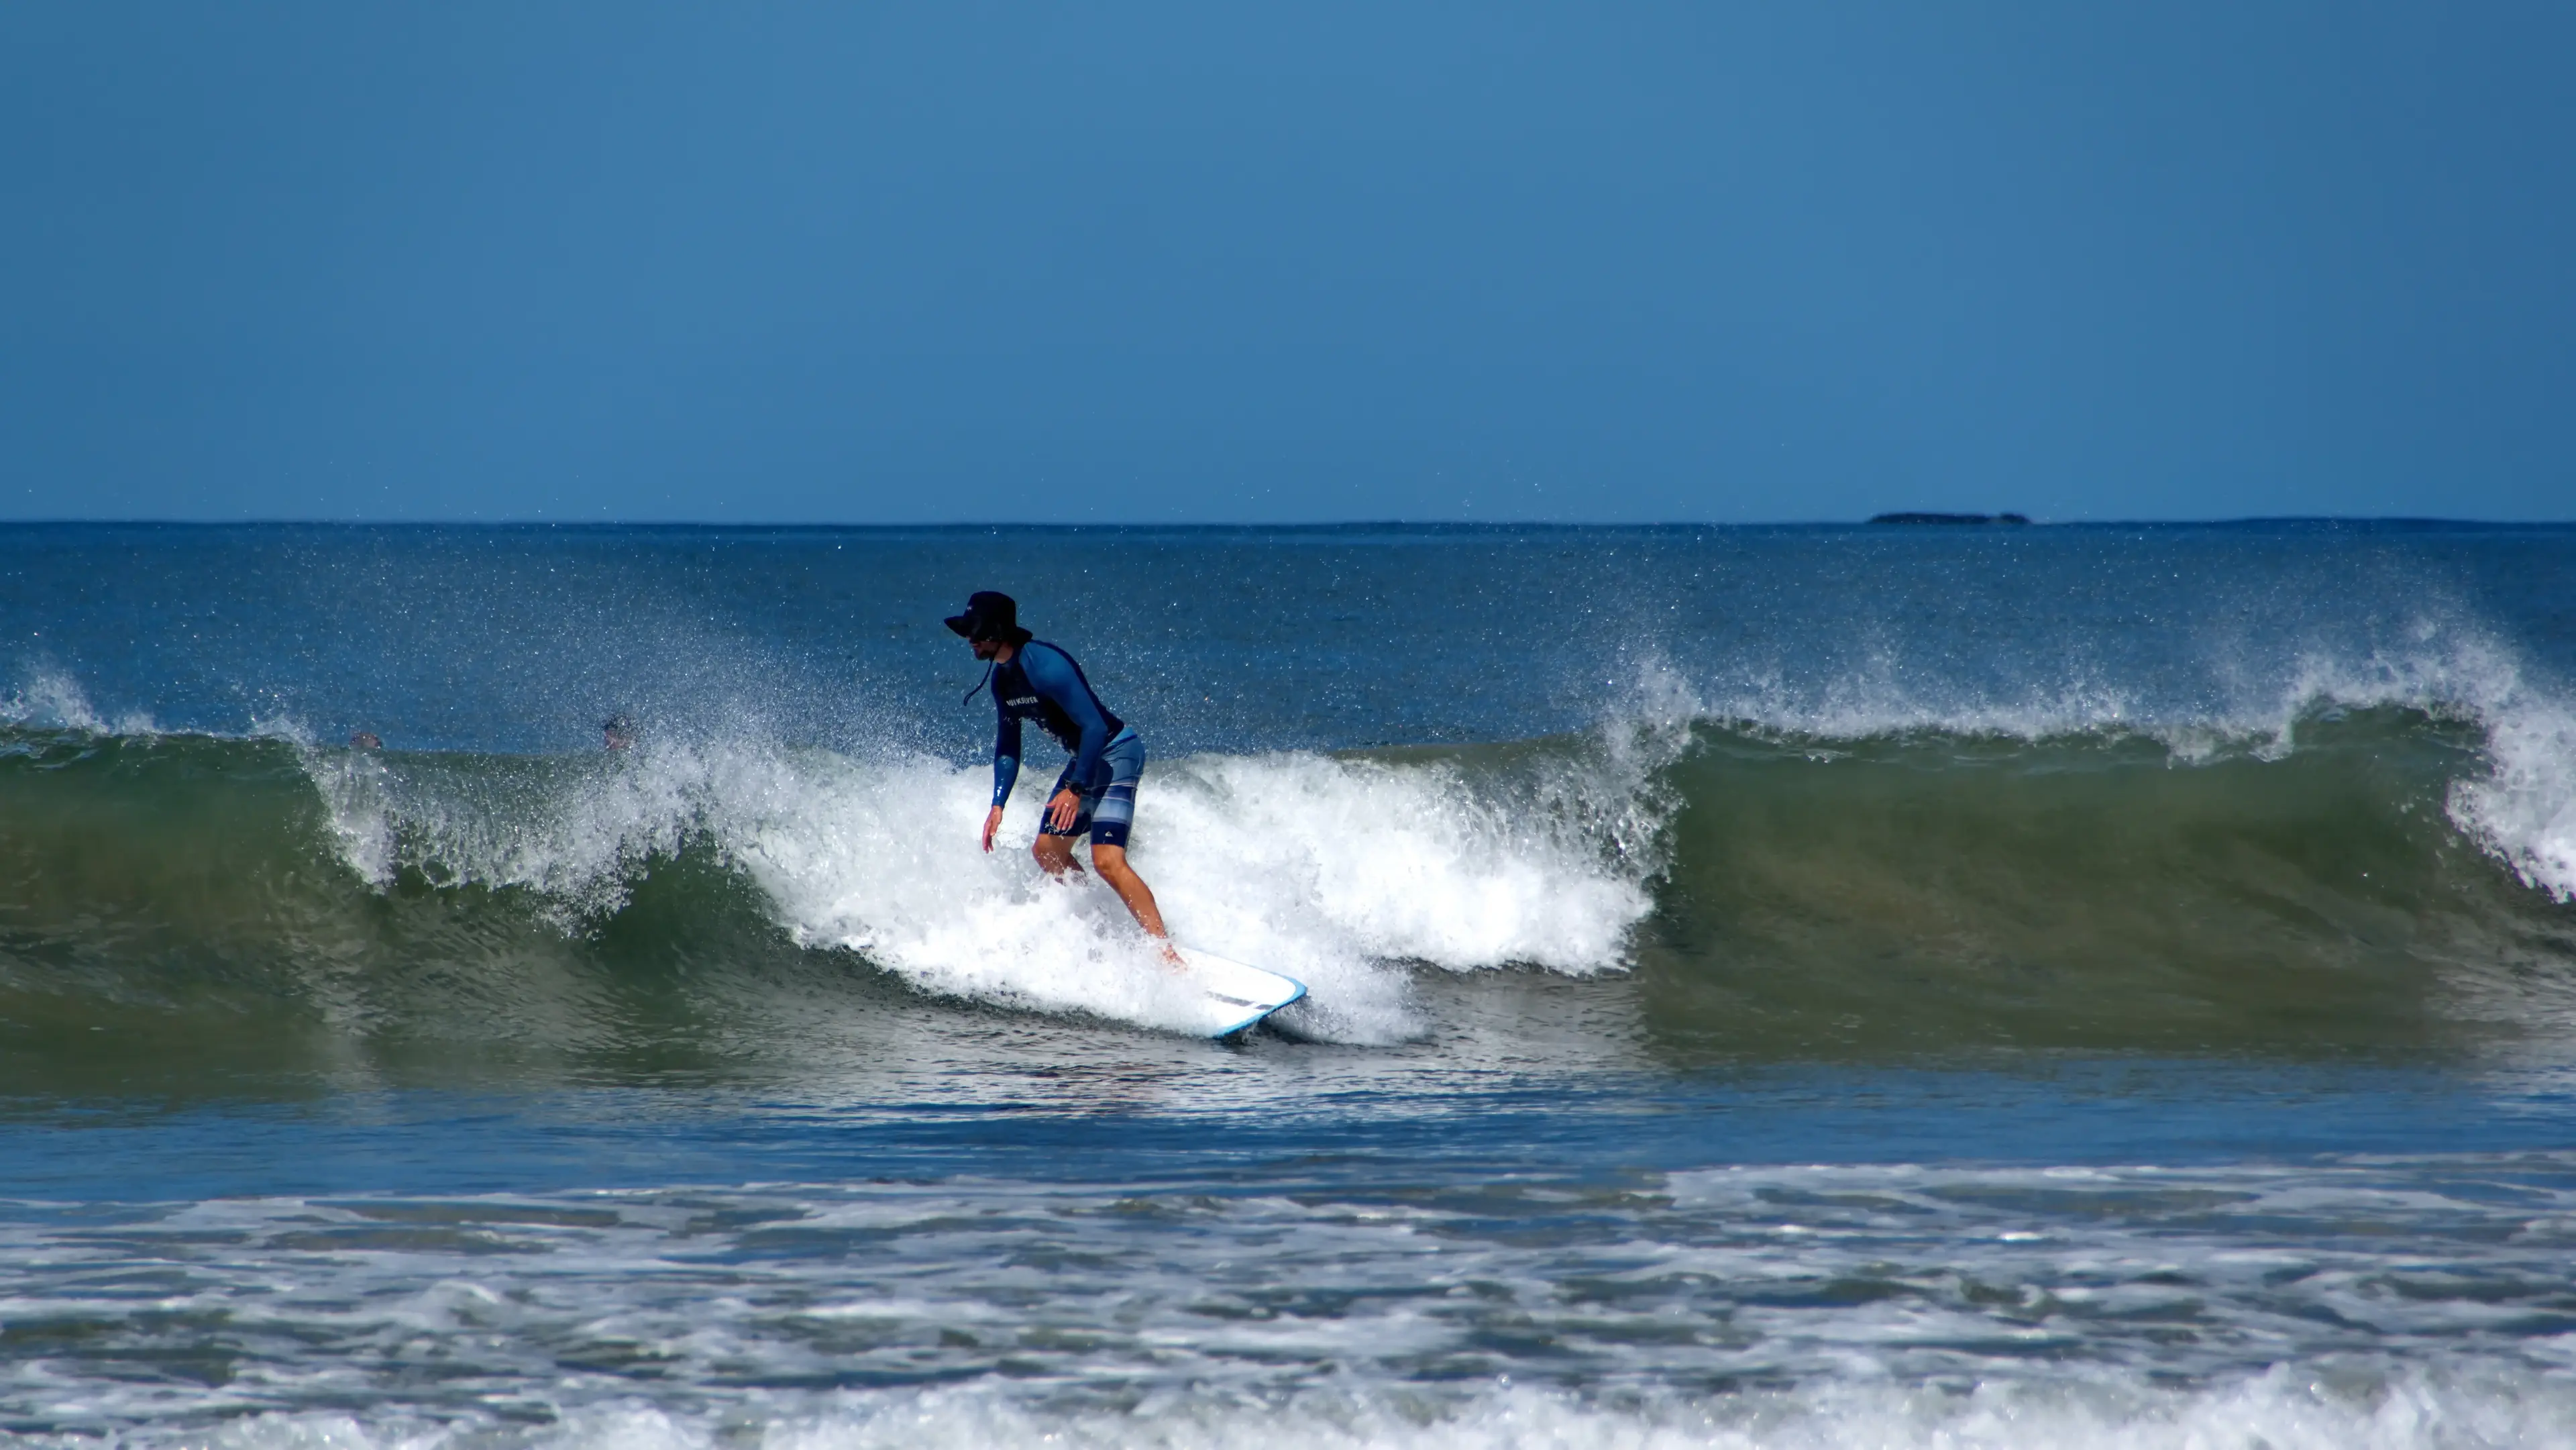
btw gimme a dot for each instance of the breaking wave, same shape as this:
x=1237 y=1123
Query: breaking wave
x=2385 y=855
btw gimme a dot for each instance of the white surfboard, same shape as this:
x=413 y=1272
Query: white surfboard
x=1235 y=996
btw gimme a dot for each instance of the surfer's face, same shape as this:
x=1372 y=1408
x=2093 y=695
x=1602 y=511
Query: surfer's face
x=986 y=649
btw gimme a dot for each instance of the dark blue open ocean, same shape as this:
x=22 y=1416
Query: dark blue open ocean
x=1873 y=986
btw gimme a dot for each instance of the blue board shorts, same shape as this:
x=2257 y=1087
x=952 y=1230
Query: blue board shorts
x=1108 y=798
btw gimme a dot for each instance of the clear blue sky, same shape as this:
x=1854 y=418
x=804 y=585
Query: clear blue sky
x=1195 y=262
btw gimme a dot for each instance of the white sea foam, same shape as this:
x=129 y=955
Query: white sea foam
x=2525 y=810
x=1329 y=869
x=572 y=831
x=2361 y=1303
x=2294 y=1407
x=49 y=699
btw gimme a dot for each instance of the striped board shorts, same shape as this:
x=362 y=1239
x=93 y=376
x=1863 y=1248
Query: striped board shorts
x=1109 y=797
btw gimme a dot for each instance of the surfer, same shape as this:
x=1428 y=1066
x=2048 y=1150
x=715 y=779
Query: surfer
x=1035 y=680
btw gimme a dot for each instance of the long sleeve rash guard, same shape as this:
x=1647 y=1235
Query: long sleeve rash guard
x=1044 y=684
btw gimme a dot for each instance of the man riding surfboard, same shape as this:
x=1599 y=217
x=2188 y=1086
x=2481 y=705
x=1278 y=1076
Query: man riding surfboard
x=1035 y=680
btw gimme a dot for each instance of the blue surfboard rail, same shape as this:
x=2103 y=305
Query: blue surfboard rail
x=1259 y=1011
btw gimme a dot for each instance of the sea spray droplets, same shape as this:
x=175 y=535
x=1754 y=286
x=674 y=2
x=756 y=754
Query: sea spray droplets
x=356 y=792
x=52 y=700
x=572 y=830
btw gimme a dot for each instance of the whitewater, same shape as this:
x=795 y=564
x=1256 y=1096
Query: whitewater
x=1768 y=987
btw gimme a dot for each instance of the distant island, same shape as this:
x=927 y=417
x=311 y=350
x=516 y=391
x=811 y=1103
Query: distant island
x=1918 y=518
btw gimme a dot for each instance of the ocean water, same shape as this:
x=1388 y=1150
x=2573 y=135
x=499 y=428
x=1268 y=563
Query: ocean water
x=1954 y=987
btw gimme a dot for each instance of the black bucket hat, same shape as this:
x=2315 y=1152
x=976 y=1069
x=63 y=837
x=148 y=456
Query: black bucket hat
x=990 y=616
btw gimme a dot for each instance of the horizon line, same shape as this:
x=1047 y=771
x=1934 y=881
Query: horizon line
x=1936 y=524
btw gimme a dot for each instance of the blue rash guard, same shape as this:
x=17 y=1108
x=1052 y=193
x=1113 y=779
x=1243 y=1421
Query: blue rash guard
x=1043 y=683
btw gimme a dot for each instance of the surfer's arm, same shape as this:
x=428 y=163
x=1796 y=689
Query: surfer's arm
x=1006 y=760
x=1053 y=676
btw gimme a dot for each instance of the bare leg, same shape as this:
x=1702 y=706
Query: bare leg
x=1111 y=863
x=1055 y=857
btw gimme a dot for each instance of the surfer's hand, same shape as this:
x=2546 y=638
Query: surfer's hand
x=992 y=823
x=1062 y=810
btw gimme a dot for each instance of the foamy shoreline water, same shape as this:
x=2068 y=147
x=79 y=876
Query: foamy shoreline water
x=2321 y=1407
x=2396 y=1303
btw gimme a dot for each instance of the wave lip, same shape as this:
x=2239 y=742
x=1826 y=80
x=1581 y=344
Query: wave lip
x=2520 y=806
x=48 y=699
